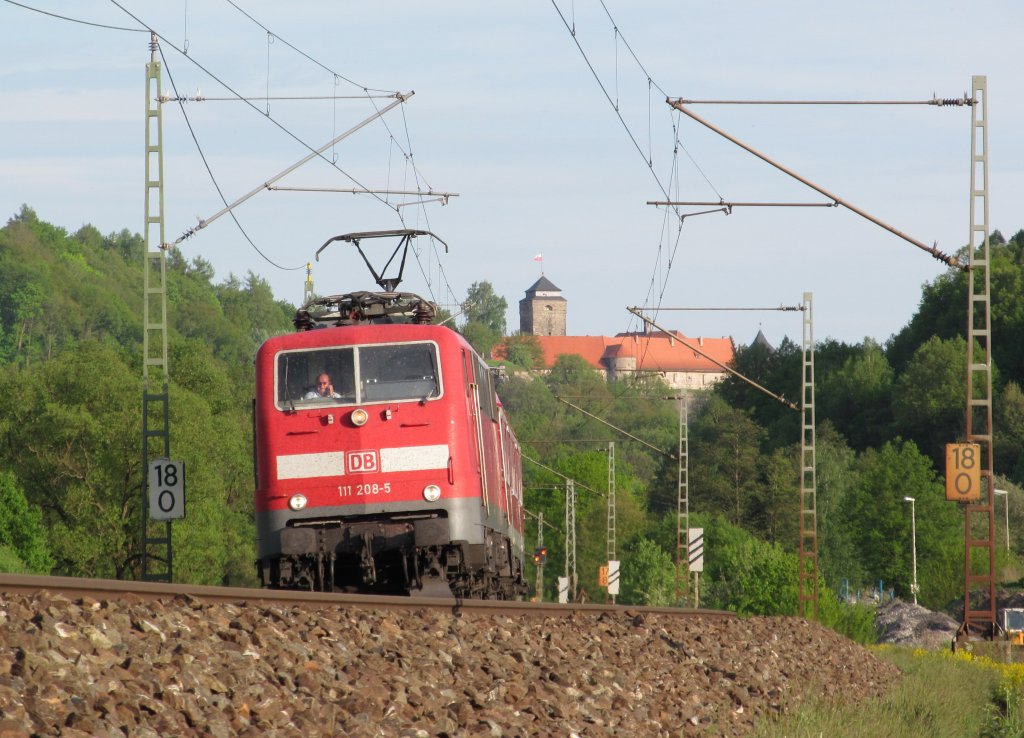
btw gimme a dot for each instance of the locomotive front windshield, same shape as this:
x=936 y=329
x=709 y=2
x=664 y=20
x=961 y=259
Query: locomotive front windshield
x=354 y=375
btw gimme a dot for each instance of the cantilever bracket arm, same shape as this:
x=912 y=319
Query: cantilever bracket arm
x=947 y=259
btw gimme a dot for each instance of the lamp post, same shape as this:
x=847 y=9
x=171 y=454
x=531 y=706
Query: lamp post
x=1004 y=493
x=913 y=545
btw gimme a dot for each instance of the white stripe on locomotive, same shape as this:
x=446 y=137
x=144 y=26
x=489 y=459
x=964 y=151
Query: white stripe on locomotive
x=332 y=463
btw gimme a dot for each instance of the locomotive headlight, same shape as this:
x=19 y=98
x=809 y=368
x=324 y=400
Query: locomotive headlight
x=297 y=502
x=359 y=416
x=431 y=493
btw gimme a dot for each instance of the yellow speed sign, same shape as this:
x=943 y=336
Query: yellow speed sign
x=963 y=472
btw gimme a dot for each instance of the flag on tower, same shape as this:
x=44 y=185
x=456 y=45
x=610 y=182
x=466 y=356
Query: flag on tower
x=539 y=257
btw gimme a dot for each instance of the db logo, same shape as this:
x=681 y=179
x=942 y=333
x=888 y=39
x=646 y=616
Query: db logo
x=361 y=462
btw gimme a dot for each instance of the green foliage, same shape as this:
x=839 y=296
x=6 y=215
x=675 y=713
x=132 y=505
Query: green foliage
x=10 y=561
x=572 y=376
x=485 y=318
x=858 y=395
x=481 y=337
x=71 y=434
x=881 y=523
x=725 y=461
x=942 y=312
x=931 y=395
x=937 y=696
x=70 y=333
x=838 y=559
x=779 y=372
x=486 y=307
x=524 y=350
x=855 y=621
x=23 y=546
x=70 y=402
x=648 y=574
x=775 y=505
x=745 y=574
x=1009 y=423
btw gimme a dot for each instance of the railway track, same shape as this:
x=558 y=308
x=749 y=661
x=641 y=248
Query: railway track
x=114 y=589
x=106 y=657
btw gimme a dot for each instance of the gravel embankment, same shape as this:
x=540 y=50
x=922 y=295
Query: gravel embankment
x=183 y=667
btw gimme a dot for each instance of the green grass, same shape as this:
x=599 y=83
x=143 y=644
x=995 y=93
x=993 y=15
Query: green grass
x=940 y=695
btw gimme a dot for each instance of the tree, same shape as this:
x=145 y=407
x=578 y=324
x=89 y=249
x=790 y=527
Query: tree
x=648 y=574
x=838 y=558
x=22 y=536
x=943 y=312
x=71 y=434
x=481 y=337
x=725 y=456
x=571 y=375
x=777 y=371
x=745 y=574
x=524 y=349
x=881 y=526
x=1008 y=446
x=857 y=397
x=485 y=318
x=930 y=397
x=775 y=512
x=485 y=307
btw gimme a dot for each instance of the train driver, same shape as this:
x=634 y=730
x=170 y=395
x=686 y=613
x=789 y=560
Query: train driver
x=324 y=389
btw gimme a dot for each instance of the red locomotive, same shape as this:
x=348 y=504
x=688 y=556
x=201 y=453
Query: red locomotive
x=385 y=462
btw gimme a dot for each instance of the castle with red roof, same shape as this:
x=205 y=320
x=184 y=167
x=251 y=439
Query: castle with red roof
x=542 y=313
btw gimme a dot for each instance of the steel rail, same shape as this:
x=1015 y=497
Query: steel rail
x=116 y=589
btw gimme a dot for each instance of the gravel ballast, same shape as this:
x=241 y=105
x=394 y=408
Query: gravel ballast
x=185 y=667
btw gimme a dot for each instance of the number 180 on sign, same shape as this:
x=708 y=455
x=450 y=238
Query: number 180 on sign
x=963 y=472
x=166 y=489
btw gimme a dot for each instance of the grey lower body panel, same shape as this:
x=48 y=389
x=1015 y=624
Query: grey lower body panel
x=465 y=520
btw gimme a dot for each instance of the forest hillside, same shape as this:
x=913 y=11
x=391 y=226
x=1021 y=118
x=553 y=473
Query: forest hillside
x=70 y=425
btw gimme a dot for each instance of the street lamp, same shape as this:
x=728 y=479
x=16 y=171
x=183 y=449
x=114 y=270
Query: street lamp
x=1004 y=493
x=913 y=545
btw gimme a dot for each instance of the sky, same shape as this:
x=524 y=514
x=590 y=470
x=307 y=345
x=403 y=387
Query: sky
x=551 y=150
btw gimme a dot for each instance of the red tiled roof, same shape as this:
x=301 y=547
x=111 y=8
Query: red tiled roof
x=657 y=352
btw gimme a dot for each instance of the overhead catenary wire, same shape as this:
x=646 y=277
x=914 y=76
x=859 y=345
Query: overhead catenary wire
x=326 y=68
x=538 y=518
x=652 y=290
x=230 y=89
x=792 y=406
x=203 y=222
x=563 y=476
x=616 y=428
x=407 y=154
x=177 y=98
x=300 y=51
x=275 y=122
x=75 y=20
x=213 y=179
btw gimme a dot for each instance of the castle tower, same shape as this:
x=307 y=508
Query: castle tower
x=542 y=312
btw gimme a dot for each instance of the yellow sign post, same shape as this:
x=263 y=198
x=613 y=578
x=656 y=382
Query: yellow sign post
x=963 y=472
